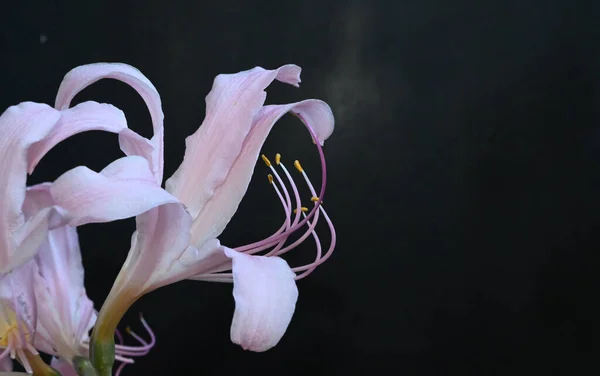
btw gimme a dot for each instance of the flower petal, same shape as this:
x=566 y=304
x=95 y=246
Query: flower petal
x=66 y=314
x=161 y=238
x=20 y=127
x=217 y=212
x=84 y=117
x=125 y=188
x=230 y=107
x=81 y=77
x=194 y=263
x=265 y=296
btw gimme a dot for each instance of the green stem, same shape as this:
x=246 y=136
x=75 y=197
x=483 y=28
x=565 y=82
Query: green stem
x=102 y=354
x=83 y=366
x=38 y=366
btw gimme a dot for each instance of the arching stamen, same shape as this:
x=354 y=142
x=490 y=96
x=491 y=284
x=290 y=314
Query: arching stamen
x=310 y=267
x=138 y=350
x=120 y=369
x=311 y=226
x=297 y=212
x=318 y=246
x=286 y=204
x=276 y=239
x=119 y=336
x=320 y=195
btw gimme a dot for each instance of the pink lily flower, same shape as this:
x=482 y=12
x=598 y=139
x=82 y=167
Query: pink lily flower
x=173 y=242
x=65 y=314
x=28 y=131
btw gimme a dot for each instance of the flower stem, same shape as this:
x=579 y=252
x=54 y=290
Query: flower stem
x=102 y=354
x=84 y=367
x=38 y=366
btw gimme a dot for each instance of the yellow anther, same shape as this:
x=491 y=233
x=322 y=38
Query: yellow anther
x=277 y=159
x=266 y=160
x=128 y=330
x=270 y=177
x=303 y=209
x=298 y=166
x=314 y=199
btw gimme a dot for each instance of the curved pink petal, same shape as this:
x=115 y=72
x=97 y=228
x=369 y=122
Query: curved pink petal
x=265 y=296
x=161 y=239
x=84 y=117
x=125 y=188
x=81 y=77
x=194 y=263
x=218 y=211
x=230 y=107
x=20 y=127
x=66 y=314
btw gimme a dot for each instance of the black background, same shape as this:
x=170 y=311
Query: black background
x=463 y=173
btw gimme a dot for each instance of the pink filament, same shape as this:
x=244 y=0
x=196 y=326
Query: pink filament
x=276 y=241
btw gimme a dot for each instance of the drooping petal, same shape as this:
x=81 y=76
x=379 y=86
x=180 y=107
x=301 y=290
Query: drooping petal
x=265 y=296
x=230 y=108
x=125 y=188
x=20 y=127
x=81 y=77
x=66 y=314
x=84 y=117
x=219 y=210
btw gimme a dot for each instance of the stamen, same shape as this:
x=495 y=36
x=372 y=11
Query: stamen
x=279 y=238
x=313 y=212
x=122 y=350
x=266 y=160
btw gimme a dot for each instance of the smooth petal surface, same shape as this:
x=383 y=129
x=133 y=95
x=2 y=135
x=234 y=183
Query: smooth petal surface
x=217 y=212
x=81 y=77
x=20 y=127
x=194 y=263
x=160 y=241
x=265 y=296
x=230 y=109
x=125 y=188
x=84 y=117
x=66 y=314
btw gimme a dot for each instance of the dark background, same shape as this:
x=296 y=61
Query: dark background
x=463 y=173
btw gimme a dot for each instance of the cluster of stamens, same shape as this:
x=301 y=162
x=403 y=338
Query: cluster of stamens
x=297 y=217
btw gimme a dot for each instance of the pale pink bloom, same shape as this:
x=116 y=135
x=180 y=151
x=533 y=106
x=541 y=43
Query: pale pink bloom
x=213 y=178
x=65 y=313
x=27 y=132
